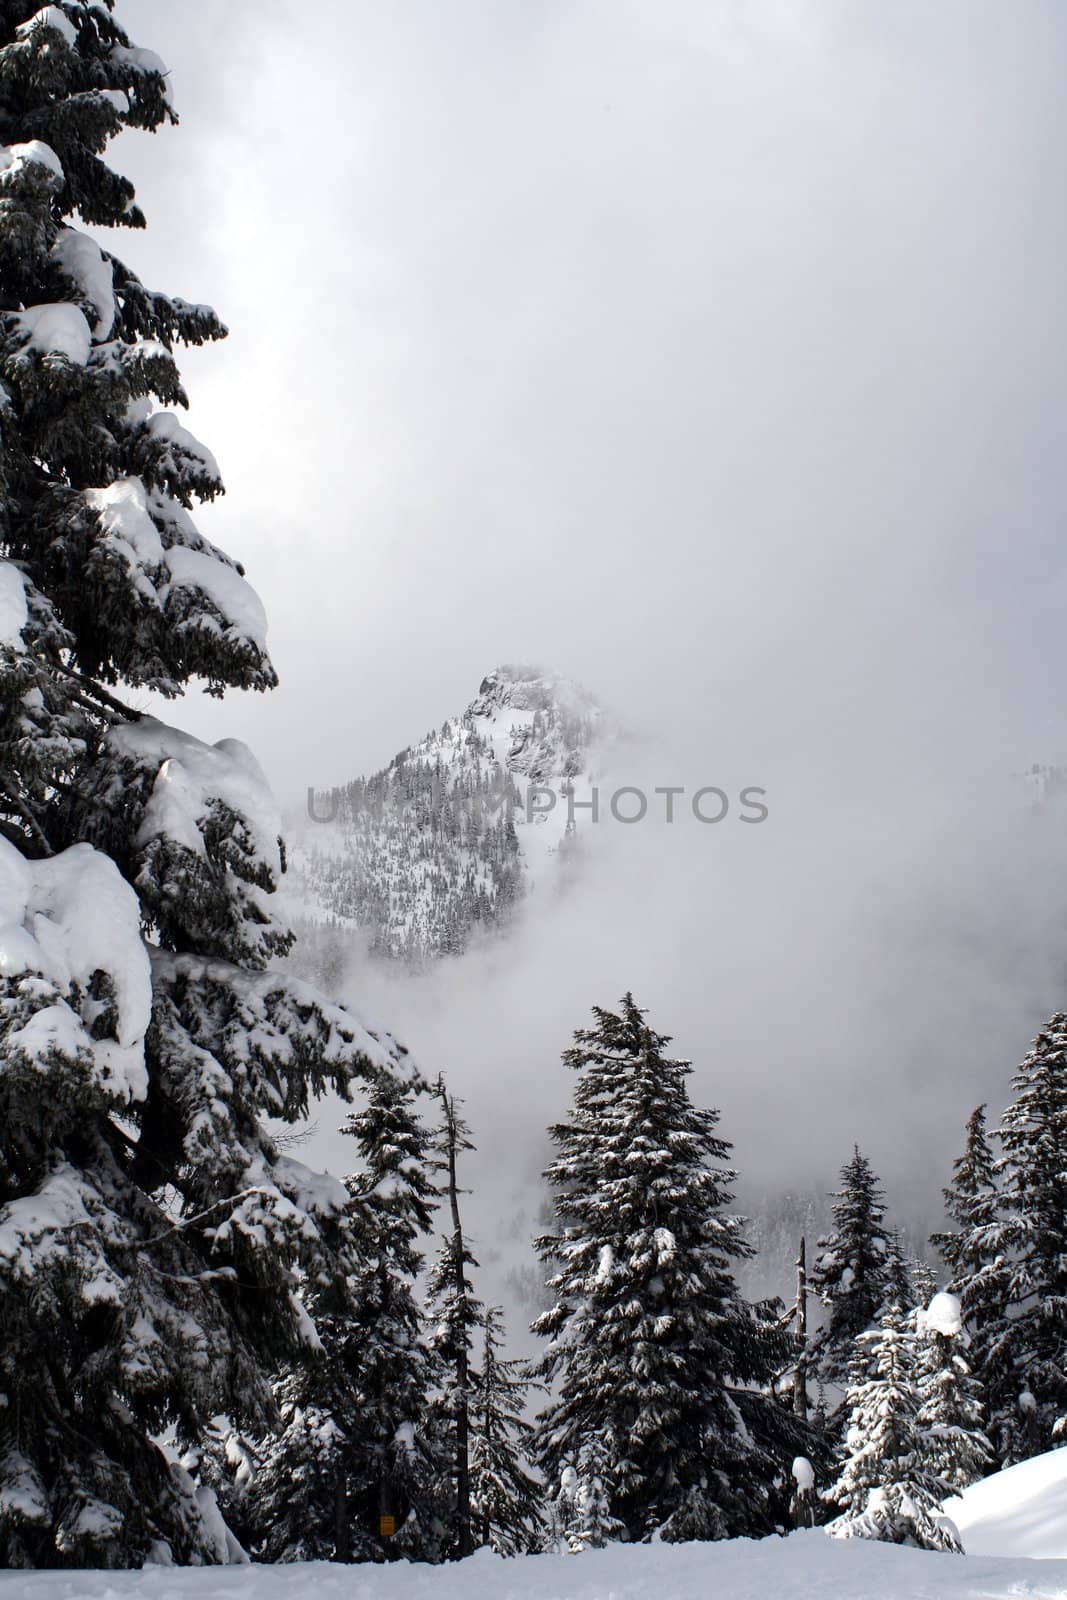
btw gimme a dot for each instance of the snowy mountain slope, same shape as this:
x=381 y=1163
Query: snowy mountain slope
x=448 y=838
x=1021 y=1511
x=806 y=1566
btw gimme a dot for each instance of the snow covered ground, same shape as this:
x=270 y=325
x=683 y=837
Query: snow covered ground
x=1013 y=1525
x=1020 y=1512
x=807 y=1566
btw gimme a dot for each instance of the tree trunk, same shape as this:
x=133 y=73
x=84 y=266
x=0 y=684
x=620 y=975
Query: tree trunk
x=464 y=1543
x=342 y=1541
x=800 y=1375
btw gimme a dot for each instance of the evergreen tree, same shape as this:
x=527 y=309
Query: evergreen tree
x=360 y=1452
x=1021 y=1291
x=456 y=1315
x=978 y=1271
x=886 y=1489
x=588 y=1523
x=851 y=1274
x=923 y=1280
x=655 y=1353
x=152 y=1236
x=399 y=1458
x=899 y=1289
x=505 y=1500
x=971 y=1201
x=294 y=1508
x=951 y=1409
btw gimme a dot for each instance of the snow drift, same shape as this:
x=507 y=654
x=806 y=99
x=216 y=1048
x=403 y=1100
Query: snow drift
x=1019 y=1512
x=798 y=1568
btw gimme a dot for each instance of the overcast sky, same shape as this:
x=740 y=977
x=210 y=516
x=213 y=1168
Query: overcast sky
x=713 y=353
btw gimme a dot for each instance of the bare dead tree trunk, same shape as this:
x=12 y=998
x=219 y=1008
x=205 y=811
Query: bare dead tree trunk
x=800 y=1375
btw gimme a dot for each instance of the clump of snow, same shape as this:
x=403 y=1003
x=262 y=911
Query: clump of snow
x=129 y=521
x=943 y=1315
x=165 y=428
x=306 y=1330
x=317 y=1193
x=215 y=1534
x=140 y=60
x=94 y=1520
x=129 y=530
x=227 y=1551
x=53 y=17
x=233 y=595
x=144 y=61
x=22 y=1494
x=37 y=1225
x=190 y=775
x=803 y=1473
x=65 y=919
x=16 y=159
x=56 y=329
x=12 y=604
x=81 y=260
x=665 y=1244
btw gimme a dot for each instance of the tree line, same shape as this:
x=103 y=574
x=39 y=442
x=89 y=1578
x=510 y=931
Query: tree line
x=668 y=1406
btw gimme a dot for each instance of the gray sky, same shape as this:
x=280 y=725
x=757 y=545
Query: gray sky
x=712 y=353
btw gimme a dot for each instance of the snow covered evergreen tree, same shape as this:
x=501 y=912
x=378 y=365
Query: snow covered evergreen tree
x=152 y=1237
x=654 y=1351
x=899 y=1288
x=886 y=1489
x=359 y=1441
x=971 y=1202
x=973 y=1253
x=923 y=1280
x=1021 y=1291
x=951 y=1409
x=295 y=1506
x=505 y=1500
x=400 y=1454
x=588 y=1523
x=851 y=1273
x=455 y=1315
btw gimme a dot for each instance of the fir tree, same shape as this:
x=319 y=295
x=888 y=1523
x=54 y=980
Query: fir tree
x=359 y=1451
x=971 y=1202
x=456 y=1315
x=505 y=1500
x=899 y=1289
x=978 y=1271
x=152 y=1236
x=655 y=1353
x=399 y=1458
x=923 y=1280
x=588 y=1523
x=886 y=1488
x=851 y=1274
x=951 y=1408
x=1020 y=1292
x=294 y=1508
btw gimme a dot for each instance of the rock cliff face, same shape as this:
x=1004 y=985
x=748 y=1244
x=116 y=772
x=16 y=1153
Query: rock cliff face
x=445 y=840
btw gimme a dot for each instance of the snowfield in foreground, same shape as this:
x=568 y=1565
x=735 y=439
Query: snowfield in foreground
x=1020 y=1512
x=806 y=1566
